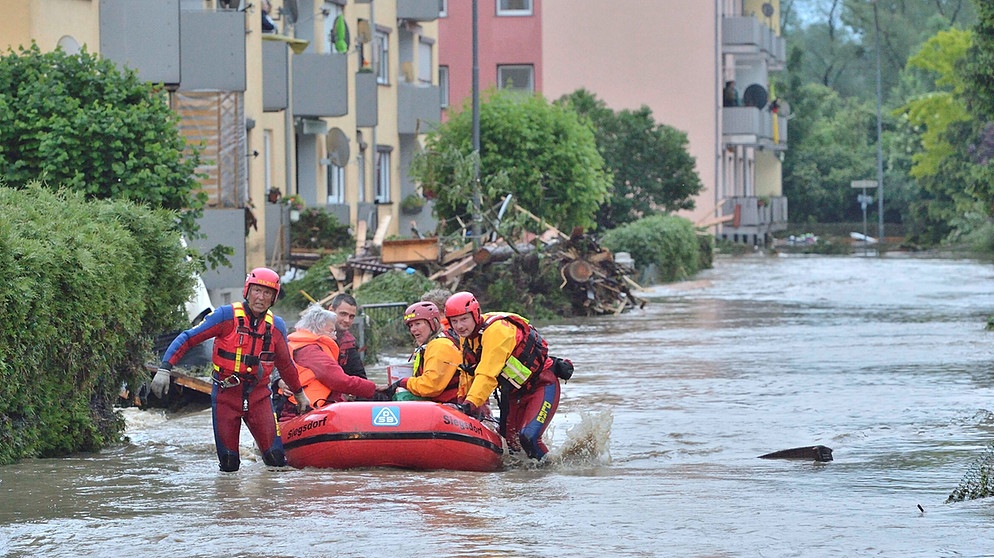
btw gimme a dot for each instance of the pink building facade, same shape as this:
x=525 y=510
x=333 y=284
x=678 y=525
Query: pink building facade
x=676 y=57
x=509 y=44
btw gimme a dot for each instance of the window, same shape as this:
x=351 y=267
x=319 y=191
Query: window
x=517 y=78
x=424 y=61
x=443 y=8
x=514 y=7
x=382 y=57
x=336 y=184
x=382 y=174
x=443 y=85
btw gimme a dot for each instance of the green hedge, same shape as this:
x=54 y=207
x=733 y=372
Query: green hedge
x=86 y=284
x=667 y=243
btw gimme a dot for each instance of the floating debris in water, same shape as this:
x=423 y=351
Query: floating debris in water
x=978 y=482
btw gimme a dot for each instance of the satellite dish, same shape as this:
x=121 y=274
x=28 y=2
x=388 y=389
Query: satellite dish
x=290 y=11
x=337 y=146
x=755 y=96
x=767 y=9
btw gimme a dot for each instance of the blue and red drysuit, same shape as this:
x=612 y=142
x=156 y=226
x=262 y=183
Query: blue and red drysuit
x=246 y=349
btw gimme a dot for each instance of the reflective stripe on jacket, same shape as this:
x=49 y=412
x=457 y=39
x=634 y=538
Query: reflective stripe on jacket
x=505 y=346
x=245 y=350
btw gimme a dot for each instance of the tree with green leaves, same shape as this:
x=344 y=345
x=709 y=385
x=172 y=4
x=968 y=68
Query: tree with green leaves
x=831 y=145
x=541 y=153
x=79 y=121
x=652 y=168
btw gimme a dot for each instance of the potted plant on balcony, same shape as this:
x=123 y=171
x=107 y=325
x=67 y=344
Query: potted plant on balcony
x=412 y=204
x=295 y=203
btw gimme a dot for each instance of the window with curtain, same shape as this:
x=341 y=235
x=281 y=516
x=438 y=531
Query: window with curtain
x=520 y=77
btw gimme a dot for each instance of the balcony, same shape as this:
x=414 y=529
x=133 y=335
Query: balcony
x=744 y=35
x=418 y=108
x=417 y=10
x=754 y=127
x=320 y=85
x=750 y=219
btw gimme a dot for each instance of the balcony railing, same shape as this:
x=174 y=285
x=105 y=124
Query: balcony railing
x=748 y=35
x=417 y=10
x=418 y=108
x=751 y=126
x=754 y=214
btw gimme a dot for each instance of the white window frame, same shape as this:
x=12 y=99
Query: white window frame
x=382 y=194
x=443 y=85
x=382 y=57
x=501 y=68
x=503 y=10
x=336 y=184
x=425 y=50
x=443 y=8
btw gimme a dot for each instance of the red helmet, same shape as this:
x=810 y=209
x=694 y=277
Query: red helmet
x=423 y=311
x=462 y=303
x=264 y=277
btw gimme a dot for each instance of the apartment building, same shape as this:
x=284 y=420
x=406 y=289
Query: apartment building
x=328 y=102
x=675 y=56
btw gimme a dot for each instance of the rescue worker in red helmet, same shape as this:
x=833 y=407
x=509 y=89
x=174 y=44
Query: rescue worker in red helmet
x=249 y=341
x=436 y=360
x=503 y=351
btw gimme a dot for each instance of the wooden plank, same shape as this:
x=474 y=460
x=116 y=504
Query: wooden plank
x=458 y=254
x=196 y=384
x=459 y=267
x=413 y=250
x=360 y=237
x=542 y=222
x=381 y=230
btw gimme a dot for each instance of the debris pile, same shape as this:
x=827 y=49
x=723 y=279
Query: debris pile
x=597 y=282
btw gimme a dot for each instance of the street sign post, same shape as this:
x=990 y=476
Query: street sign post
x=864 y=201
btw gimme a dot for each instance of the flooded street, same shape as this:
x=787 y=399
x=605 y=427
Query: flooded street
x=884 y=360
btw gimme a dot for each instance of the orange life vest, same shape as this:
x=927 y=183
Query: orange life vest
x=245 y=351
x=317 y=392
x=530 y=350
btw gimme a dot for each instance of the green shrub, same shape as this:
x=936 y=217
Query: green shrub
x=86 y=284
x=318 y=229
x=317 y=282
x=667 y=242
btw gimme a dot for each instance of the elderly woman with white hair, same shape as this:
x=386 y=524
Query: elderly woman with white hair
x=314 y=351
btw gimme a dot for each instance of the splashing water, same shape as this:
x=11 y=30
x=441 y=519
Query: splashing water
x=587 y=443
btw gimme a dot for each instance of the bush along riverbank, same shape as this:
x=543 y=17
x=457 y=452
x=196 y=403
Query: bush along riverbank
x=86 y=285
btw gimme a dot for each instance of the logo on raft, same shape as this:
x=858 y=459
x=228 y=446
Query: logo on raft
x=386 y=416
x=294 y=432
x=461 y=424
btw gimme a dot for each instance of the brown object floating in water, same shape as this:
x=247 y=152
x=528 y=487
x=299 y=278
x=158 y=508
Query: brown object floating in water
x=816 y=453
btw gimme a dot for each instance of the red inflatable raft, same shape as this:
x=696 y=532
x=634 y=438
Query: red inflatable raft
x=405 y=434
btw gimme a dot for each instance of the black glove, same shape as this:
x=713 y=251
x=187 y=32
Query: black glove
x=469 y=409
x=391 y=389
x=381 y=395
